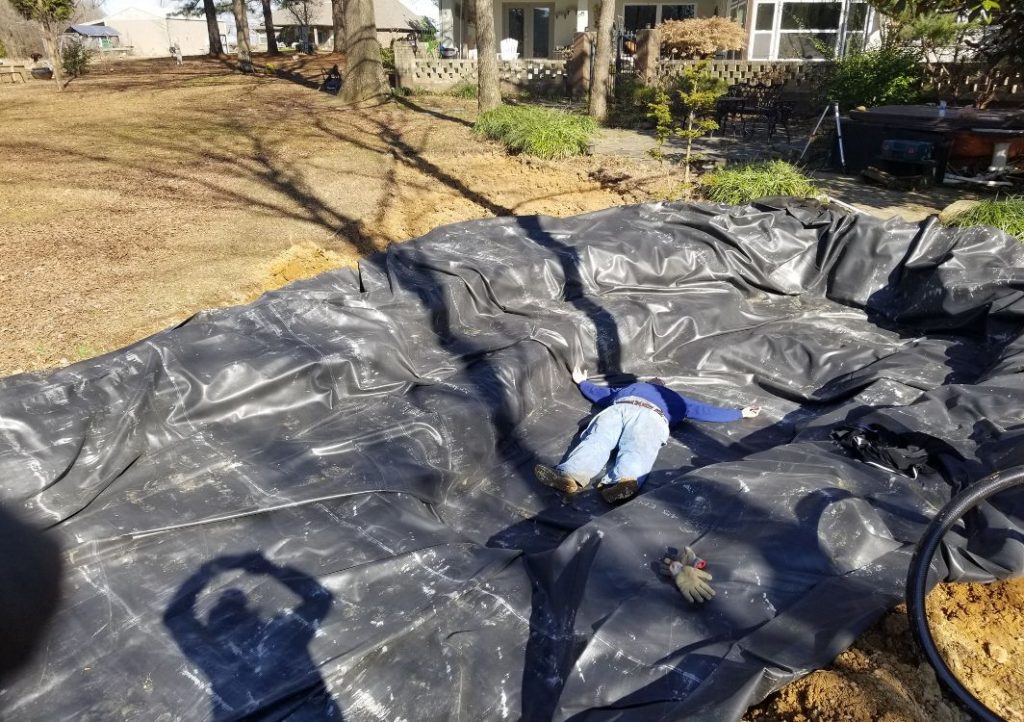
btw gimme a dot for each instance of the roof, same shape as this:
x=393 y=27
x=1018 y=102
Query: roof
x=94 y=31
x=389 y=14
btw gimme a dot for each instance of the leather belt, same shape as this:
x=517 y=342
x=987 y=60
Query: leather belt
x=643 y=405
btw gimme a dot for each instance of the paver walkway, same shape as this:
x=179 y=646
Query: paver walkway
x=878 y=201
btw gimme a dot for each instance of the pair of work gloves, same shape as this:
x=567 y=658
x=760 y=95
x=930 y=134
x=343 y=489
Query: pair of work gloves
x=687 y=571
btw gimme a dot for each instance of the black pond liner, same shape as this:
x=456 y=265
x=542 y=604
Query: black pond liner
x=321 y=505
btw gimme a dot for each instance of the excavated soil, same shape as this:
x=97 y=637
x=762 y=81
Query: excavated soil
x=978 y=628
x=146 y=192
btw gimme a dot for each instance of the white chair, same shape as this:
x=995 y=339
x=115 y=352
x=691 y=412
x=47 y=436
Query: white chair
x=509 y=49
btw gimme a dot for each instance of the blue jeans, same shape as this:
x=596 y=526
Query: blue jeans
x=639 y=434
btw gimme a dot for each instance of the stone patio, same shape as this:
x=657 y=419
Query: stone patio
x=730 y=148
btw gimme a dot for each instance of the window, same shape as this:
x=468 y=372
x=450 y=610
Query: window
x=640 y=17
x=678 y=12
x=541 y=31
x=807 y=46
x=516 y=24
x=807 y=29
x=810 y=16
x=858 y=17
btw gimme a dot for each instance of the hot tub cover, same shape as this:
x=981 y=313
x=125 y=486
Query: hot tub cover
x=321 y=505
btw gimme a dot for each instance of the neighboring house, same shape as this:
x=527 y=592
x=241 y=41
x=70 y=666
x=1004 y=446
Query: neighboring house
x=150 y=35
x=93 y=36
x=776 y=29
x=311 y=22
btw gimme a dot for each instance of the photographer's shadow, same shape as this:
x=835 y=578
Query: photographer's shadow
x=256 y=666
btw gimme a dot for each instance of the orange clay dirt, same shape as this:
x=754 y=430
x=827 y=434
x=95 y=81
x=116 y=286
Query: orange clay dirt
x=146 y=192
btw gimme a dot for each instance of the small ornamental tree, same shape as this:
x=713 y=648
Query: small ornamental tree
x=697 y=90
x=699 y=38
x=52 y=16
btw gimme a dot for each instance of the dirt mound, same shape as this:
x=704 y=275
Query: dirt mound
x=980 y=631
x=302 y=260
x=883 y=677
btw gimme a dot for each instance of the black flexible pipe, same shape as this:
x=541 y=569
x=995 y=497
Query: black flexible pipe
x=917 y=579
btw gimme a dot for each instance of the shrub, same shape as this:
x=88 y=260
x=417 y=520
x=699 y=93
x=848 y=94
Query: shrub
x=75 y=58
x=701 y=37
x=3 y=50
x=890 y=76
x=696 y=91
x=745 y=183
x=537 y=131
x=465 y=89
x=1007 y=215
x=632 y=99
x=387 y=58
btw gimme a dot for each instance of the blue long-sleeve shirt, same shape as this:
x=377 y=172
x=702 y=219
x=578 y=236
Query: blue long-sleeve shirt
x=675 y=407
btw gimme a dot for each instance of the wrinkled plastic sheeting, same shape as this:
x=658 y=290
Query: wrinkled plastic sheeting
x=321 y=505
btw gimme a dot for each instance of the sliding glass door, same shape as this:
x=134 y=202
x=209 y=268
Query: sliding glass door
x=532 y=26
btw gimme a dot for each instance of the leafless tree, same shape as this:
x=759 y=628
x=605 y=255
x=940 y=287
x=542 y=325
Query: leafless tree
x=338 y=17
x=52 y=17
x=364 y=68
x=268 y=23
x=241 y=13
x=19 y=37
x=304 y=12
x=489 y=95
x=602 y=61
x=190 y=8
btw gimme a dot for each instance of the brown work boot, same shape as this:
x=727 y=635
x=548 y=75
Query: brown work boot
x=556 y=479
x=619 y=491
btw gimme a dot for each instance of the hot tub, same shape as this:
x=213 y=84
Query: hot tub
x=965 y=139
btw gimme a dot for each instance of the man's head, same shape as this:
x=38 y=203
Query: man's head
x=231 y=609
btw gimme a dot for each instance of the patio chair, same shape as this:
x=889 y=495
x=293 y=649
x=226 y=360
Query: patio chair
x=509 y=49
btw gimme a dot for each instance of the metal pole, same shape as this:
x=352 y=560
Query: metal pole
x=839 y=137
x=813 y=133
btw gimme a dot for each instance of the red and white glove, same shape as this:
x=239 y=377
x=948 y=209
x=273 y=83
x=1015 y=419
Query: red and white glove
x=690 y=576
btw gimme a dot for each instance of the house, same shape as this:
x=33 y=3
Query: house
x=99 y=37
x=312 y=23
x=776 y=29
x=150 y=35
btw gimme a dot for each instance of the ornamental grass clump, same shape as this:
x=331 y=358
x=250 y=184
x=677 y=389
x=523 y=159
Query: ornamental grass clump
x=537 y=131
x=1006 y=214
x=742 y=184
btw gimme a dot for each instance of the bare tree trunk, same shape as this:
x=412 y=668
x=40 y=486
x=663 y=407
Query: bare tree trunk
x=338 y=16
x=602 y=59
x=364 y=69
x=268 y=23
x=213 y=28
x=242 y=34
x=50 y=45
x=489 y=94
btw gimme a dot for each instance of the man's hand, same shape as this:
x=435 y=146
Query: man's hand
x=578 y=375
x=689 y=575
x=750 y=412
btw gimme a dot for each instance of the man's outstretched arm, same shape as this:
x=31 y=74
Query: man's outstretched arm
x=591 y=391
x=697 y=411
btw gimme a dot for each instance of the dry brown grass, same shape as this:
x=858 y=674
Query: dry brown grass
x=146 y=192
